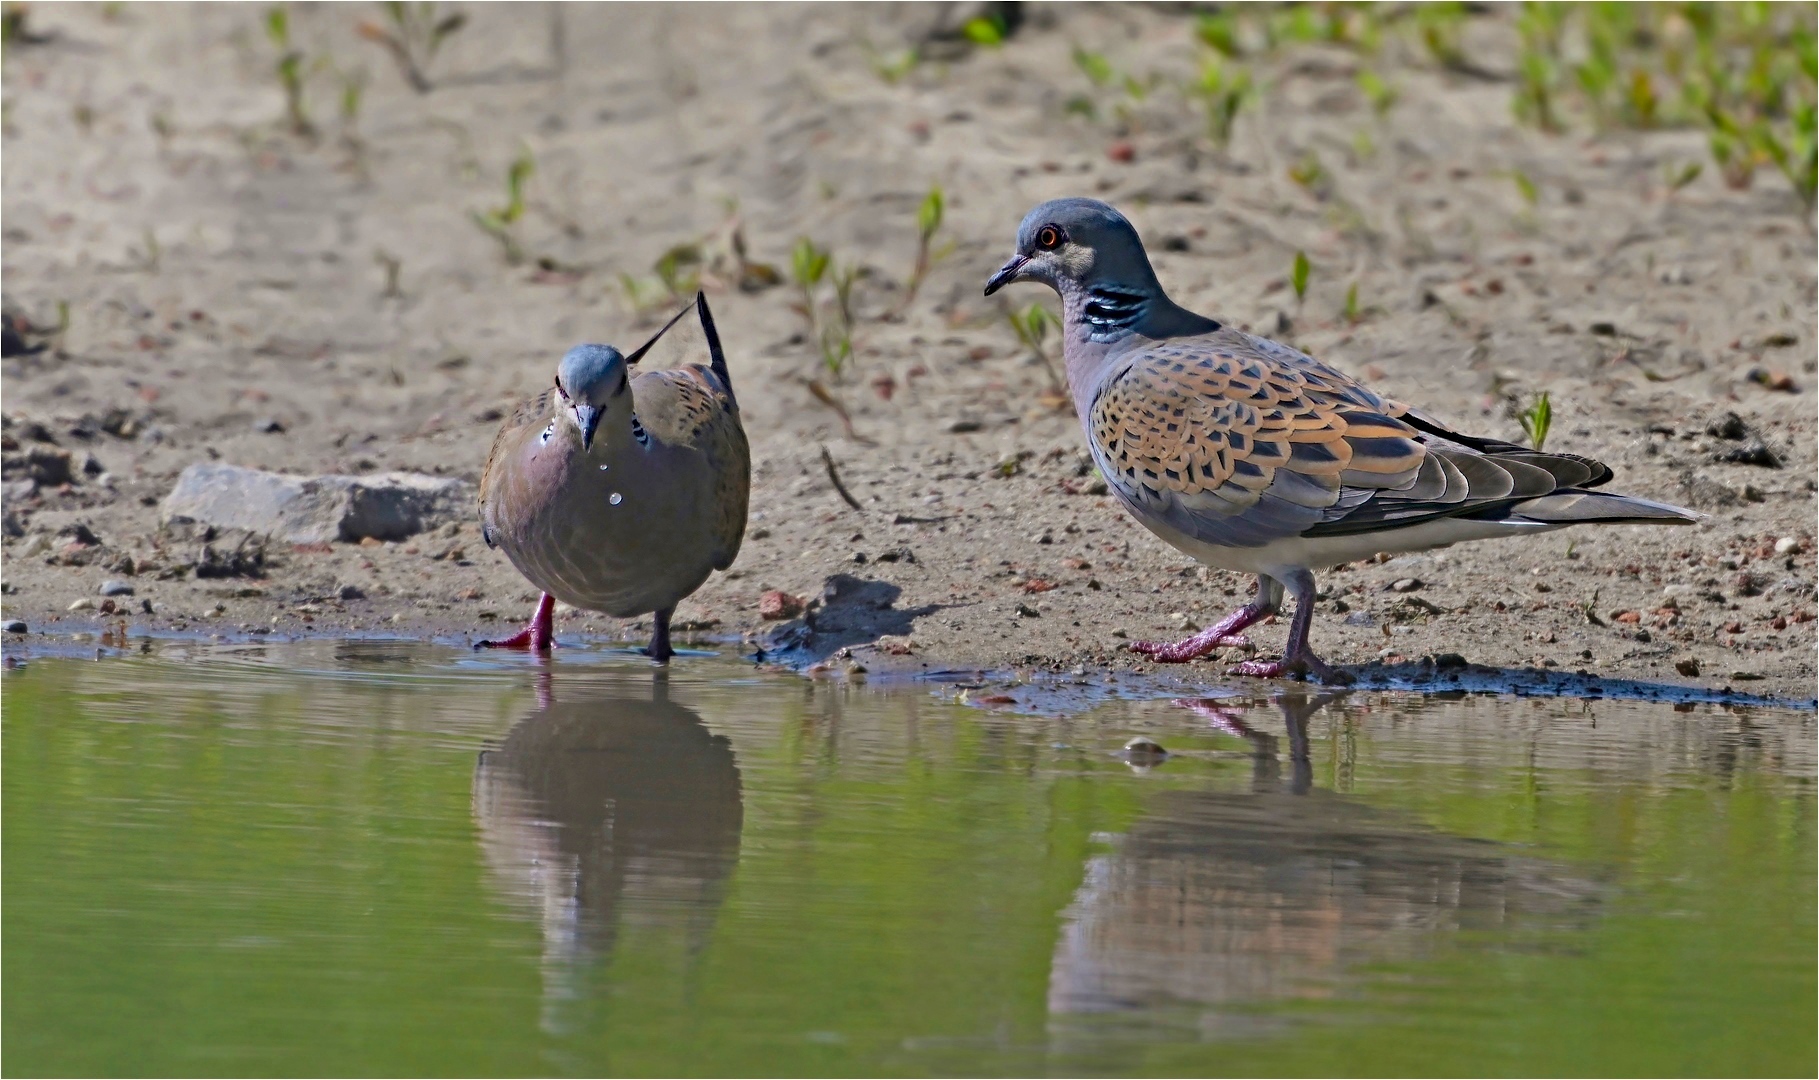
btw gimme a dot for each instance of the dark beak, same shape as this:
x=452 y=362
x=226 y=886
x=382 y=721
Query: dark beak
x=1006 y=274
x=589 y=419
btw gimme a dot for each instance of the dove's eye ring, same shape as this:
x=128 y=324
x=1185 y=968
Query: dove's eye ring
x=1049 y=237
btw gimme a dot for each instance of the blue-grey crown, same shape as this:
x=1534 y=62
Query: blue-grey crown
x=588 y=368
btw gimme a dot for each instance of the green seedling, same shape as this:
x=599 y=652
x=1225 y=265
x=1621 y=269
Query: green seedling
x=1352 y=314
x=1222 y=91
x=928 y=222
x=498 y=223
x=289 y=70
x=1094 y=66
x=1298 y=275
x=1031 y=327
x=1526 y=187
x=987 y=30
x=679 y=269
x=1536 y=419
x=1219 y=31
x=1311 y=176
x=1379 y=93
x=413 y=34
x=1680 y=178
x=353 y=90
x=811 y=264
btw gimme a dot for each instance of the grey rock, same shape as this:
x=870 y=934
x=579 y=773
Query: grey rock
x=1360 y=618
x=15 y=626
x=47 y=466
x=11 y=525
x=116 y=587
x=315 y=509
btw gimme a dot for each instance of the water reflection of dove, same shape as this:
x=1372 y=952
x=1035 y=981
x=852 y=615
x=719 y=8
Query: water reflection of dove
x=604 y=811
x=1251 y=456
x=1220 y=898
x=620 y=494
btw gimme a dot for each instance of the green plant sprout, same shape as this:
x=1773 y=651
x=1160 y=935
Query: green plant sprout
x=810 y=264
x=1377 y=91
x=1298 y=274
x=1222 y=90
x=289 y=70
x=1031 y=327
x=1536 y=419
x=894 y=67
x=499 y=223
x=415 y=34
x=987 y=30
x=1094 y=66
x=1526 y=187
x=928 y=222
x=1352 y=314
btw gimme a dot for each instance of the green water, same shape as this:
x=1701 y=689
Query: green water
x=379 y=859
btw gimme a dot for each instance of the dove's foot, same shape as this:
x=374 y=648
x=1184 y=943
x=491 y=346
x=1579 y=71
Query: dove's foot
x=1221 y=635
x=538 y=634
x=659 y=649
x=1304 y=665
x=1217 y=714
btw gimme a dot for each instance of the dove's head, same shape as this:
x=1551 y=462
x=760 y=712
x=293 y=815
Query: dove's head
x=591 y=381
x=1076 y=244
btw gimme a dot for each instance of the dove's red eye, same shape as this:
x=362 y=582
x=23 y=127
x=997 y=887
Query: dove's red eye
x=1048 y=238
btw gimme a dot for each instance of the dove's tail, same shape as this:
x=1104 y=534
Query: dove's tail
x=716 y=355
x=1578 y=507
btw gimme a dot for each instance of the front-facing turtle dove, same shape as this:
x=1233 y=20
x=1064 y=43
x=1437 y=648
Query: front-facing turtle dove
x=1251 y=456
x=620 y=494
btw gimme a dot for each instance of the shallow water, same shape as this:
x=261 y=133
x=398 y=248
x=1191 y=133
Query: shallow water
x=373 y=858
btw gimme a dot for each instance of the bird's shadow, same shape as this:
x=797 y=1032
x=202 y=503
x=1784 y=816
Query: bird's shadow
x=850 y=611
x=1429 y=676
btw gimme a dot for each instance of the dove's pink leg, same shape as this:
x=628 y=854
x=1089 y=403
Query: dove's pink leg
x=538 y=634
x=1297 y=658
x=1223 y=634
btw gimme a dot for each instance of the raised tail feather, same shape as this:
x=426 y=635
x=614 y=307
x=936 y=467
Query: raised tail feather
x=1596 y=508
x=716 y=355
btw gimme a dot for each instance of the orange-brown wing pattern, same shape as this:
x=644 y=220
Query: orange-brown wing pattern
x=1237 y=441
x=688 y=406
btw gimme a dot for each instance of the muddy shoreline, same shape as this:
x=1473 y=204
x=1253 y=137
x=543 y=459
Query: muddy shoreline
x=240 y=293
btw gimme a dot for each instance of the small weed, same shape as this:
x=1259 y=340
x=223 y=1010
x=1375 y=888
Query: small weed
x=1031 y=327
x=499 y=223
x=1378 y=92
x=987 y=30
x=1298 y=275
x=928 y=222
x=1437 y=25
x=679 y=269
x=1219 y=31
x=811 y=264
x=413 y=34
x=1536 y=419
x=1222 y=91
x=1352 y=314
x=1679 y=178
x=1526 y=187
x=290 y=71
x=1311 y=176
x=1094 y=66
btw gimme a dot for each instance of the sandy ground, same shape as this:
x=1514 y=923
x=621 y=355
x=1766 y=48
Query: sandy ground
x=229 y=299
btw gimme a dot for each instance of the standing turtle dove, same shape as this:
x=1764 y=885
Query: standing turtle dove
x=1251 y=456
x=619 y=494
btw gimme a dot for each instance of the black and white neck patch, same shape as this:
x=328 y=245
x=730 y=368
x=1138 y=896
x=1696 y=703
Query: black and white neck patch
x=1110 y=308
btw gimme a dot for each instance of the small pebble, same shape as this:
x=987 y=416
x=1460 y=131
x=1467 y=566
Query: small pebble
x=1027 y=611
x=1146 y=751
x=14 y=626
x=1688 y=667
x=351 y=592
x=1407 y=584
x=268 y=425
x=83 y=604
x=1787 y=545
x=116 y=587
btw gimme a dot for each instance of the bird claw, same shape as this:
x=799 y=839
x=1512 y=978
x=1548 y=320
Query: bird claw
x=528 y=638
x=1180 y=652
x=538 y=635
x=1307 y=666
